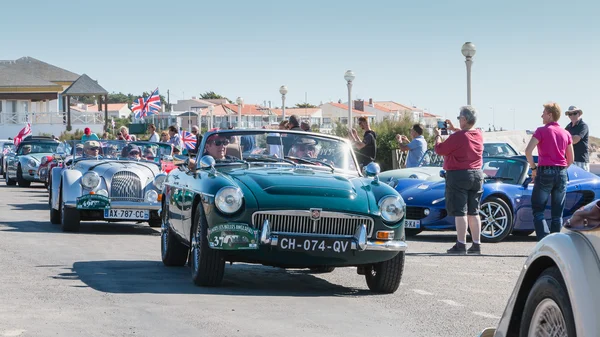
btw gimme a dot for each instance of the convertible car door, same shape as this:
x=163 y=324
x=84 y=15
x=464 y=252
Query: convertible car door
x=174 y=195
x=188 y=200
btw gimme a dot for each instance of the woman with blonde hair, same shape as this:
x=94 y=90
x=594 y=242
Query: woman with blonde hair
x=555 y=154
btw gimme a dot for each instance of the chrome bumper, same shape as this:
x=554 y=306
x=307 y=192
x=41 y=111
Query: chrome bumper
x=124 y=205
x=359 y=242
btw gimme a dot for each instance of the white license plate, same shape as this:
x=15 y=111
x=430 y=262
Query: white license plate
x=412 y=223
x=133 y=214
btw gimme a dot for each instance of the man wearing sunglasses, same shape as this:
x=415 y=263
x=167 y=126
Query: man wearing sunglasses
x=91 y=149
x=579 y=131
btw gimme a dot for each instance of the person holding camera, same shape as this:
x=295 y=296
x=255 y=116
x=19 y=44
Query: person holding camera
x=416 y=148
x=463 y=159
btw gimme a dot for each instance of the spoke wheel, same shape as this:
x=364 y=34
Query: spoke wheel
x=208 y=265
x=548 y=311
x=496 y=220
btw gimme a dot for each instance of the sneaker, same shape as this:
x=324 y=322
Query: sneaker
x=475 y=249
x=458 y=248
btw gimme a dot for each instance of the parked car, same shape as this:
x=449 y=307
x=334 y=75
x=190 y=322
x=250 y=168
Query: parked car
x=431 y=163
x=556 y=293
x=21 y=166
x=113 y=186
x=300 y=203
x=6 y=146
x=505 y=203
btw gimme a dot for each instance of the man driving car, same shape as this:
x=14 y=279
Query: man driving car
x=91 y=148
x=304 y=147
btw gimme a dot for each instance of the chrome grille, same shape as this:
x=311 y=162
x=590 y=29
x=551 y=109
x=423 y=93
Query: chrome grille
x=126 y=186
x=300 y=222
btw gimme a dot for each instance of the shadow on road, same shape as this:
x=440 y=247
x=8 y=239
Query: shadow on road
x=114 y=276
x=29 y=207
x=86 y=228
x=451 y=237
x=466 y=255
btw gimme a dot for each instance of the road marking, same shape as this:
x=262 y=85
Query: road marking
x=11 y=333
x=452 y=303
x=422 y=292
x=485 y=314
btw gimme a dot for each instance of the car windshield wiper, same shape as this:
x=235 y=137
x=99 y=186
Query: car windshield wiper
x=312 y=161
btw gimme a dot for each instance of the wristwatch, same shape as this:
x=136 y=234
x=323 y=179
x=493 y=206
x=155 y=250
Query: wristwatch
x=534 y=168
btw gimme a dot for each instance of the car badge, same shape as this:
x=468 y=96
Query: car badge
x=315 y=213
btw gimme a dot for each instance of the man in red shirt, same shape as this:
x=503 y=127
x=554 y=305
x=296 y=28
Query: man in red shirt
x=463 y=158
x=555 y=154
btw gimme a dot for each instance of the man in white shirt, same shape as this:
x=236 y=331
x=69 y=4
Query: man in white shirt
x=153 y=134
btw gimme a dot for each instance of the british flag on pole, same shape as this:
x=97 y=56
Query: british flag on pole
x=26 y=131
x=146 y=106
x=188 y=139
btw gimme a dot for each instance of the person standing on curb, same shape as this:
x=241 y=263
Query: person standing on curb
x=367 y=148
x=579 y=132
x=463 y=159
x=555 y=155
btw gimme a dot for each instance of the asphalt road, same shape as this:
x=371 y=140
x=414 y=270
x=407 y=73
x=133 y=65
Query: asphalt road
x=108 y=280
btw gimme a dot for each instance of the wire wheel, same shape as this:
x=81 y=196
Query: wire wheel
x=548 y=320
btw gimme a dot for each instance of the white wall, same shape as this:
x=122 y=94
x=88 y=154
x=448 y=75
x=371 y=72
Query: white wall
x=55 y=129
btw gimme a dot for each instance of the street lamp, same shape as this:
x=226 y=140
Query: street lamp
x=468 y=50
x=349 y=77
x=283 y=90
x=240 y=102
x=210 y=118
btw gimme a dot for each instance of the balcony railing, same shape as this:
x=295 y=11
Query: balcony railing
x=85 y=117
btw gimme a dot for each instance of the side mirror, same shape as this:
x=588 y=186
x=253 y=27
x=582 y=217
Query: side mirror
x=372 y=169
x=527 y=181
x=443 y=174
x=206 y=162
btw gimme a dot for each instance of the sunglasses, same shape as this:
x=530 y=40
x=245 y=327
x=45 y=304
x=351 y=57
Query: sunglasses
x=94 y=148
x=305 y=147
x=573 y=113
x=134 y=152
x=221 y=142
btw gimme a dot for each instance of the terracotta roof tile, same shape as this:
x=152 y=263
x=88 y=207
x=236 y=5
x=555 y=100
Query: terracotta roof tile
x=298 y=111
x=248 y=109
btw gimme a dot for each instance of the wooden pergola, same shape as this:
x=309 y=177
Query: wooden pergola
x=85 y=86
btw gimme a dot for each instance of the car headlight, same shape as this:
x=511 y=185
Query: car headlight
x=159 y=181
x=392 y=208
x=151 y=196
x=90 y=180
x=31 y=163
x=102 y=192
x=229 y=199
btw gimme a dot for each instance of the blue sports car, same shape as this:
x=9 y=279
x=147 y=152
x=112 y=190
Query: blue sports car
x=505 y=203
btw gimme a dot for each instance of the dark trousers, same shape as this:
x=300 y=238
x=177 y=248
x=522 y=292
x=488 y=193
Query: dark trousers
x=550 y=183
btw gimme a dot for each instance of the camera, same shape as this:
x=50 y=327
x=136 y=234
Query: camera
x=443 y=126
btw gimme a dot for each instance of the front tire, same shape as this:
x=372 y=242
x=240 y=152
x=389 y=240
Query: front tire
x=55 y=215
x=70 y=219
x=496 y=220
x=208 y=265
x=384 y=277
x=22 y=182
x=548 y=307
x=9 y=182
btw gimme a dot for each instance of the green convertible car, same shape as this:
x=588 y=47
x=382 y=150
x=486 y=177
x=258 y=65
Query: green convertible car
x=288 y=199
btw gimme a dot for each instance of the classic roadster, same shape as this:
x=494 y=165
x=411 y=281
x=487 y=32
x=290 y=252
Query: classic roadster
x=22 y=166
x=505 y=203
x=108 y=181
x=296 y=200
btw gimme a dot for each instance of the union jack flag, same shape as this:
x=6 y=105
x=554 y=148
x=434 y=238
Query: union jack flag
x=188 y=139
x=26 y=131
x=147 y=106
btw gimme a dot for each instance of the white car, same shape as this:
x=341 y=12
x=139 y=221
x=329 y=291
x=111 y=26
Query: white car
x=117 y=185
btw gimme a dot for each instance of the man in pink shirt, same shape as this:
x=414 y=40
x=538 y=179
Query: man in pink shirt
x=555 y=154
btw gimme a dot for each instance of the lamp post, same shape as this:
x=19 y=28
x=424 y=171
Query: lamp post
x=349 y=77
x=468 y=50
x=283 y=90
x=493 y=117
x=240 y=103
x=210 y=116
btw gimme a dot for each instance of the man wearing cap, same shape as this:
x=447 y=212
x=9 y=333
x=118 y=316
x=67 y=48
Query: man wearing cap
x=88 y=135
x=91 y=148
x=134 y=153
x=579 y=131
x=26 y=149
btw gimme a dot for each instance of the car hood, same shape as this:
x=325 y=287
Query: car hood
x=289 y=188
x=424 y=192
x=106 y=168
x=36 y=156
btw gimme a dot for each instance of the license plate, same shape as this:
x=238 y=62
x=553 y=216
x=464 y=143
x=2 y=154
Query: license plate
x=412 y=223
x=133 y=214
x=313 y=245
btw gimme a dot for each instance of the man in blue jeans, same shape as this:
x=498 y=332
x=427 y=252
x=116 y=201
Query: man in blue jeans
x=555 y=154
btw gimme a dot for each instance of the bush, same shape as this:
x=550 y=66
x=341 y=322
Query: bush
x=386 y=132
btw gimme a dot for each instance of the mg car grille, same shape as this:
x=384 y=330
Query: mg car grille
x=301 y=222
x=126 y=186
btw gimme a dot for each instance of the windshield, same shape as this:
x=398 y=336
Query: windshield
x=506 y=170
x=7 y=148
x=33 y=147
x=280 y=146
x=498 y=150
x=118 y=149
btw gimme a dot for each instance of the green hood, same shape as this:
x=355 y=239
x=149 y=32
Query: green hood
x=283 y=188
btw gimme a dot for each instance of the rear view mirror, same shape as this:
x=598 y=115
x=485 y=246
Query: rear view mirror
x=527 y=181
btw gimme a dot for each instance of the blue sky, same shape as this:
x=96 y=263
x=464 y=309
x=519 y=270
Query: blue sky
x=528 y=52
